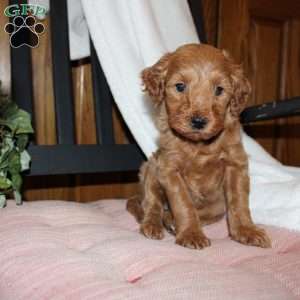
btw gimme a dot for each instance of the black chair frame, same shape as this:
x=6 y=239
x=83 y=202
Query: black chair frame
x=68 y=158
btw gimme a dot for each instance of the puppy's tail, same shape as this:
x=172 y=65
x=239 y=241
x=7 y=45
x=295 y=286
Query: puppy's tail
x=135 y=208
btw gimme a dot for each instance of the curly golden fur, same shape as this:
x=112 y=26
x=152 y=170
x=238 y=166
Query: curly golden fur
x=200 y=170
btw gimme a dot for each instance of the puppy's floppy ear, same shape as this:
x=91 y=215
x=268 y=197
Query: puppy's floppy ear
x=241 y=87
x=154 y=78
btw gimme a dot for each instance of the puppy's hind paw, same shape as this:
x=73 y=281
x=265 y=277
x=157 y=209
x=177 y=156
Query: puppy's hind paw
x=152 y=231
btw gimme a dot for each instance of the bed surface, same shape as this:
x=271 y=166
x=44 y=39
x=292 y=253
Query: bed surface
x=65 y=250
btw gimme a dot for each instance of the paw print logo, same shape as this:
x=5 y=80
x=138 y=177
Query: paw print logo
x=24 y=31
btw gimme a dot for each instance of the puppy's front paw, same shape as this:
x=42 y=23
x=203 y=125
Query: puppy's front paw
x=252 y=236
x=192 y=239
x=152 y=231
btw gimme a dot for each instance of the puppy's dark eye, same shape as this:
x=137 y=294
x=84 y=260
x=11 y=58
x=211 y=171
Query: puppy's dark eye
x=180 y=87
x=219 y=91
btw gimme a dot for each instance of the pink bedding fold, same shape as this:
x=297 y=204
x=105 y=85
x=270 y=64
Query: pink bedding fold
x=65 y=250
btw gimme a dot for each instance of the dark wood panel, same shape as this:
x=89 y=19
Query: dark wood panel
x=210 y=12
x=271 y=110
x=196 y=12
x=51 y=187
x=103 y=100
x=291 y=87
x=90 y=187
x=233 y=29
x=62 y=79
x=84 y=104
x=264 y=36
x=275 y=9
x=44 y=118
x=71 y=159
x=21 y=75
x=265 y=67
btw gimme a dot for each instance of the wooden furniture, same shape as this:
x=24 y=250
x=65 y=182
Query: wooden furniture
x=106 y=156
x=264 y=35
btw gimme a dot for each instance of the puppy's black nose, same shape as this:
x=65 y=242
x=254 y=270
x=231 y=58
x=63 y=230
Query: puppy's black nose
x=198 y=122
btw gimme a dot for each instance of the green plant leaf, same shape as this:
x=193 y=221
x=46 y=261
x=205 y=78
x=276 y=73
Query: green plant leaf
x=5 y=183
x=22 y=141
x=18 y=197
x=4 y=159
x=18 y=121
x=16 y=180
x=8 y=140
x=24 y=122
x=8 y=108
x=14 y=164
x=15 y=126
x=5 y=152
x=3 y=164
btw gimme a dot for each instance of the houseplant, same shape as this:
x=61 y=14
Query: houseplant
x=15 y=128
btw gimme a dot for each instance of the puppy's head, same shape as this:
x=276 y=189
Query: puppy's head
x=202 y=89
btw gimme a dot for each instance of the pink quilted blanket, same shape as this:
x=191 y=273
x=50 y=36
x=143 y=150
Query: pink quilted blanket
x=64 y=250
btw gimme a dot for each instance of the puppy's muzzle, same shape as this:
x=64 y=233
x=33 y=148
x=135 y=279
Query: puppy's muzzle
x=198 y=122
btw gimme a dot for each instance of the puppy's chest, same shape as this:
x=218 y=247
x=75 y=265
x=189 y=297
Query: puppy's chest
x=204 y=174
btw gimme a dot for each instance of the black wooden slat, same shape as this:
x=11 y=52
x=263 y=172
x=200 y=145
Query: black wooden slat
x=21 y=73
x=73 y=159
x=197 y=13
x=103 y=102
x=62 y=72
x=271 y=110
